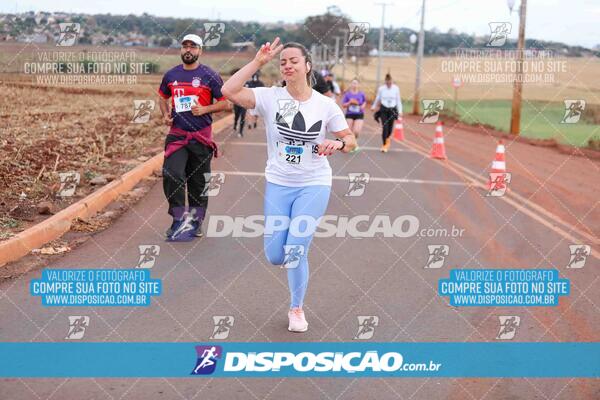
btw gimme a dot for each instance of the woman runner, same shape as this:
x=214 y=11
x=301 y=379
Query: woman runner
x=354 y=101
x=390 y=107
x=298 y=174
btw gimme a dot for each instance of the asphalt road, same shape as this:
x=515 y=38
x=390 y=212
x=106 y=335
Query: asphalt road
x=350 y=277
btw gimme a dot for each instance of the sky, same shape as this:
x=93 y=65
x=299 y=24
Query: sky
x=574 y=22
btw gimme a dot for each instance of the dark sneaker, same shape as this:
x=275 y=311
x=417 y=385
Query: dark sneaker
x=197 y=228
x=181 y=231
x=169 y=231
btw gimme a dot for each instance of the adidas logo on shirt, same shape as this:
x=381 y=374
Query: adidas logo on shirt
x=298 y=129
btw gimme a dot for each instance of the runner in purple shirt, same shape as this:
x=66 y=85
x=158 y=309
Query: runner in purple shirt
x=354 y=101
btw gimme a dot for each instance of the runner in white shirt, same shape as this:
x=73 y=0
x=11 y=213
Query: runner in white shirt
x=390 y=107
x=298 y=174
x=334 y=88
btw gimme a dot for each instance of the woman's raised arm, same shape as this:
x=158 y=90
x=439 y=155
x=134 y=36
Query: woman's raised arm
x=234 y=88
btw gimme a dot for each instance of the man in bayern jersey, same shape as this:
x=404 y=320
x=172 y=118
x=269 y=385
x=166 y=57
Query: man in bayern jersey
x=189 y=93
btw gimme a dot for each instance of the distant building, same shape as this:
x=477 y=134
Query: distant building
x=33 y=38
x=98 y=38
x=244 y=46
x=375 y=52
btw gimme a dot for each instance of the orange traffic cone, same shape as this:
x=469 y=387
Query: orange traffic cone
x=398 y=130
x=438 y=150
x=498 y=166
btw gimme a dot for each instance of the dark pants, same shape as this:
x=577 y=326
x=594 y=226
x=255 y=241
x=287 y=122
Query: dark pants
x=239 y=113
x=187 y=165
x=388 y=117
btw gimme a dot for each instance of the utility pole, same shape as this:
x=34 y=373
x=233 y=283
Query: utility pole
x=380 y=50
x=420 y=48
x=515 y=118
x=344 y=55
x=337 y=50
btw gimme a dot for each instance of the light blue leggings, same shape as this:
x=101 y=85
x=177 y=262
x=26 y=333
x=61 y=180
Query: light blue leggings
x=301 y=207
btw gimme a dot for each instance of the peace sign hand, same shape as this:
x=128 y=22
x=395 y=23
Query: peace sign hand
x=267 y=51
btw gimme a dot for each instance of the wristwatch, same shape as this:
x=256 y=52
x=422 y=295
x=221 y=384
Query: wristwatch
x=343 y=143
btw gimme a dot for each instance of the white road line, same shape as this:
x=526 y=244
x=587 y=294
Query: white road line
x=371 y=179
x=370 y=148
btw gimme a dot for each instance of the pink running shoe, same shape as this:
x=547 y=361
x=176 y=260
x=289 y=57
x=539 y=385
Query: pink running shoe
x=297 y=321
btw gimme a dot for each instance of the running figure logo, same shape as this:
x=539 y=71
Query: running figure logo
x=207 y=359
x=366 y=326
x=499 y=32
x=437 y=255
x=148 y=255
x=68 y=33
x=223 y=324
x=293 y=255
x=288 y=108
x=68 y=183
x=498 y=183
x=573 y=111
x=579 y=254
x=212 y=33
x=212 y=187
x=142 y=109
x=77 y=325
x=508 y=327
x=357 y=33
x=431 y=111
x=357 y=183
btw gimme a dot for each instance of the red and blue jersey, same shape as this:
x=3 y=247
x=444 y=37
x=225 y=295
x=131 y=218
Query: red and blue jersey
x=187 y=87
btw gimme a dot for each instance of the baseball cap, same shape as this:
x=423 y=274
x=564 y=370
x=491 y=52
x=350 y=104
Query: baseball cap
x=192 y=38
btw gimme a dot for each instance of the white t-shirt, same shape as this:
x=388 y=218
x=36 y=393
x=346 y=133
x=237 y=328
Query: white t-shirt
x=294 y=129
x=336 y=88
x=389 y=97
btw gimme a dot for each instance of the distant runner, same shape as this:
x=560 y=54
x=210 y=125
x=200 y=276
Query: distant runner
x=334 y=88
x=354 y=101
x=254 y=83
x=240 y=112
x=390 y=107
